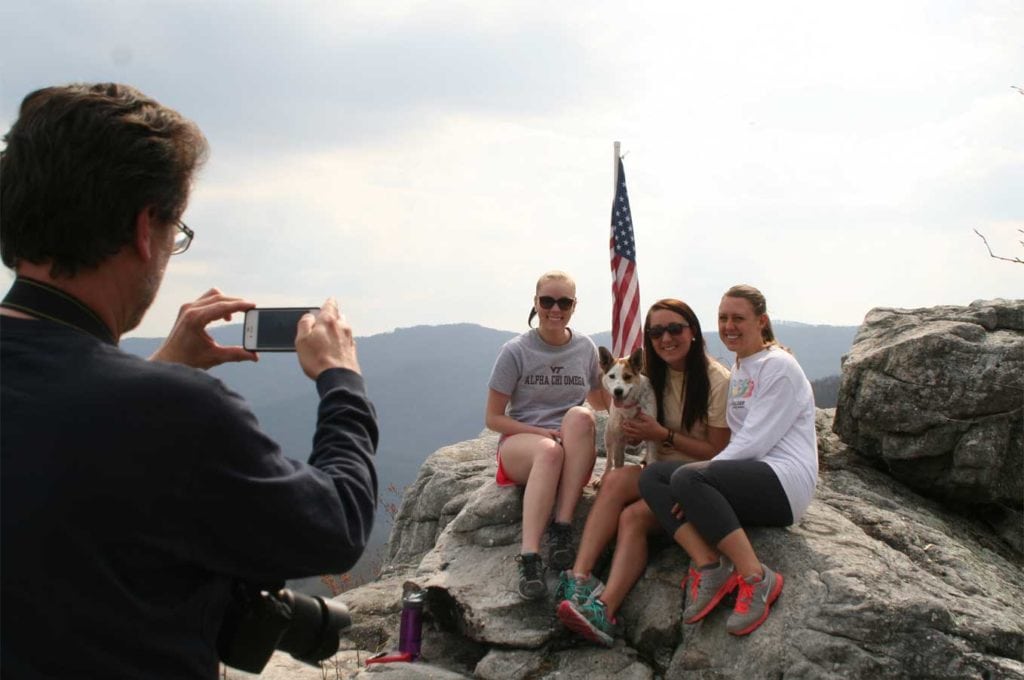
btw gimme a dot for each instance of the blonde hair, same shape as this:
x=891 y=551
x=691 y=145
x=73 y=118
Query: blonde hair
x=760 y=305
x=555 y=275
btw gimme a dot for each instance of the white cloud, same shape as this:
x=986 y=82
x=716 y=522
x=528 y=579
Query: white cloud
x=426 y=161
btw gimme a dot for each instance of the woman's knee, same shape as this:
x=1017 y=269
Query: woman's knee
x=620 y=485
x=550 y=453
x=688 y=484
x=654 y=478
x=688 y=476
x=578 y=420
x=636 y=518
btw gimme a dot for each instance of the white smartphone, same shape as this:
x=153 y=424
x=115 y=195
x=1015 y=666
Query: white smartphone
x=272 y=329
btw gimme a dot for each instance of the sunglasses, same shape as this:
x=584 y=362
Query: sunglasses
x=564 y=303
x=655 y=332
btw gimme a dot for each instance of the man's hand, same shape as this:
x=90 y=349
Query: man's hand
x=325 y=341
x=188 y=342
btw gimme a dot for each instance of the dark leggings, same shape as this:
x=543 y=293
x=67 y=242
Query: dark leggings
x=717 y=497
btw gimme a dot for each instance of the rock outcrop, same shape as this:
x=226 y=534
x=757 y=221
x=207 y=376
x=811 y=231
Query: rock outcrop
x=890 y=574
x=880 y=582
x=936 y=396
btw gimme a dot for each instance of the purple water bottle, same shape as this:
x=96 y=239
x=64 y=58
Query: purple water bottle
x=411 y=630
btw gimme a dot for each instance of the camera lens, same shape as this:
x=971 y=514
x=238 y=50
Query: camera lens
x=314 y=632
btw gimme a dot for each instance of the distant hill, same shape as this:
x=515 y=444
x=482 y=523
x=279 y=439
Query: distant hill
x=826 y=391
x=429 y=385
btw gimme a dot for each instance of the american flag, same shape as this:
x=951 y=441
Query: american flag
x=625 y=286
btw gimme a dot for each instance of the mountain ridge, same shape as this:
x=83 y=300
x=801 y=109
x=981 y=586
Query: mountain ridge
x=430 y=381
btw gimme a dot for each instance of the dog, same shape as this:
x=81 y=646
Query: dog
x=631 y=393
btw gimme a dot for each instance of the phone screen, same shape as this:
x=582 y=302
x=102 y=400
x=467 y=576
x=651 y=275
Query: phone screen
x=272 y=329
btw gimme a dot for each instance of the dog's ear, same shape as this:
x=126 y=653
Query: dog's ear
x=636 y=359
x=605 y=358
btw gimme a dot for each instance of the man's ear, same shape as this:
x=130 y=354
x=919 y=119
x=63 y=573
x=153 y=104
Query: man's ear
x=145 y=226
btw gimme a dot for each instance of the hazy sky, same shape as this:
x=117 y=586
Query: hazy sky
x=426 y=161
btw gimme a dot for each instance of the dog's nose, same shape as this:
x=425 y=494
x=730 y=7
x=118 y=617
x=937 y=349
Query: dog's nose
x=618 y=391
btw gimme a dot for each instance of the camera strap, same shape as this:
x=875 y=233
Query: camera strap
x=46 y=302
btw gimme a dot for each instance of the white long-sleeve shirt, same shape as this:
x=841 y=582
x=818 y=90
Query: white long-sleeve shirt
x=771 y=415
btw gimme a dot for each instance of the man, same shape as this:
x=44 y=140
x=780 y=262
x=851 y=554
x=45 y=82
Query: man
x=134 y=493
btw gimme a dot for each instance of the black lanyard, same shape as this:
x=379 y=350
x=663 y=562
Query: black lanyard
x=46 y=302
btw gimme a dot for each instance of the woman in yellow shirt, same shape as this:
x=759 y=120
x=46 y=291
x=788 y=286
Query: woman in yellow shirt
x=691 y=390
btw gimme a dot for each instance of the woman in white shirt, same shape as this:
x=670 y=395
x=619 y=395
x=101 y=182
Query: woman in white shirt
x=764 y=477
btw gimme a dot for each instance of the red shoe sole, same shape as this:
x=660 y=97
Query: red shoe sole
x=575 y=622
x=726 y=588
x=772 y=596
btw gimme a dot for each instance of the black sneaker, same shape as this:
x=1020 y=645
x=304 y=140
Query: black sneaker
x=561 y=554
x=531 y=576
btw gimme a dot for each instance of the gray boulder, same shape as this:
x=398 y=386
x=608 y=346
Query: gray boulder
x=936 y=396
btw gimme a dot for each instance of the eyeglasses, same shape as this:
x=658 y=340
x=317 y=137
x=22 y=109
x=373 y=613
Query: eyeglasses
x=564 y=303
x=183 y=239
x=655 y=332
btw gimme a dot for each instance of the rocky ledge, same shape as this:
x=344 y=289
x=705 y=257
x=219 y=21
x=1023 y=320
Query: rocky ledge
x=892 y=572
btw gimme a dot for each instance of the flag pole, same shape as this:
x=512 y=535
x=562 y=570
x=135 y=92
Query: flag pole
x=615 y=190
x=615 y=169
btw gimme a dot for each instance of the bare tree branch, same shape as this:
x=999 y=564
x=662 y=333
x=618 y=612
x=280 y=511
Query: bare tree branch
x=999 y=257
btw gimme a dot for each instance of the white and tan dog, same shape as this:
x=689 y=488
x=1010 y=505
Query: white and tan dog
x=631 y=393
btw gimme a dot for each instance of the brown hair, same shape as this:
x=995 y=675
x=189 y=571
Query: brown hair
x=698 y=384
x=81 y=162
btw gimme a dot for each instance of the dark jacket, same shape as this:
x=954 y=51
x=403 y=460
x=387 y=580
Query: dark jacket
x=134 y=492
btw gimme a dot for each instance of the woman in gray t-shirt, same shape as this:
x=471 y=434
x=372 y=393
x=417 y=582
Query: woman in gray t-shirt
x=535 y=401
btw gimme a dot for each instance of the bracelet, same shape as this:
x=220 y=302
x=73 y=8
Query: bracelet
x=669 y=438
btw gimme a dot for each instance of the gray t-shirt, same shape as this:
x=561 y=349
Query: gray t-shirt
x=544 y=381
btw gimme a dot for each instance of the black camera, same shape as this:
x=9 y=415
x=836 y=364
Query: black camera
x=260 y=620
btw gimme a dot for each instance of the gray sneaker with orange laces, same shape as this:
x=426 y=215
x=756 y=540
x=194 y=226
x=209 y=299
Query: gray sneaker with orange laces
x=753 y=601
x=705 y=588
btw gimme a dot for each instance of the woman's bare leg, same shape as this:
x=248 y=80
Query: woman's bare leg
x=535 y=461
x=630 y=559
x=736 y=546
x=578 y=428
x=695 y=546
x=618 y=490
